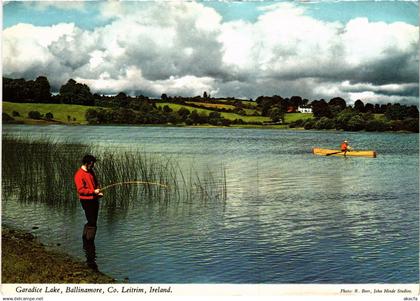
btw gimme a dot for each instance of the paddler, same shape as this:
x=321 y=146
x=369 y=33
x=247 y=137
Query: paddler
x=345 y=147
x=89 y=193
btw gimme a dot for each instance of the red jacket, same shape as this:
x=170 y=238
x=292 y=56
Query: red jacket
x=343 y=147
x=86 y=184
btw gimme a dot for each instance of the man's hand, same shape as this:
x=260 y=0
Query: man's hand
x=98 y=193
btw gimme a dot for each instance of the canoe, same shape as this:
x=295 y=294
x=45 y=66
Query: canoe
x=336 y=152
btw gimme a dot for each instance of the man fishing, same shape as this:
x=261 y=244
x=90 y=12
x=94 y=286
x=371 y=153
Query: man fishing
x=345 y=147
x=89 y=194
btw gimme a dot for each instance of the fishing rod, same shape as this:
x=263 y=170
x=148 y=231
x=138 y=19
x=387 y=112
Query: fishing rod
x=133 y=182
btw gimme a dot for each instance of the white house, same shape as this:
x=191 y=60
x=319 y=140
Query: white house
x=304 y=109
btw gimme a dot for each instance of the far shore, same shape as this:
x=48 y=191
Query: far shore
x=234 y=126
x=26 y=260
x=247 y=126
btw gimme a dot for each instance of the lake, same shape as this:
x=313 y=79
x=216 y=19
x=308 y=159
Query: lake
x=288 y=216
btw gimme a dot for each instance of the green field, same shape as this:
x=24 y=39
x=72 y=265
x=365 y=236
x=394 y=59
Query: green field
x=77 y=112
x=59 y=111
x=290 y=117
x=230 y=116
x=379 y=116
x=251 y=112
x=212 y=105
x=175 y=107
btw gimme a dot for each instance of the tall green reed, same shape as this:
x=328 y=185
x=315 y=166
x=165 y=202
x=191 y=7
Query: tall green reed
x=43 y=171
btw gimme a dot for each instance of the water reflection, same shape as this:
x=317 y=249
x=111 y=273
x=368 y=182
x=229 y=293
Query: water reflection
x=88 y=237
x=289 y=217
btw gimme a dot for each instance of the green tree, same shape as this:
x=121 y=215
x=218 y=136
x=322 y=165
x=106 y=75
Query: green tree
x=411 y=124
x=394 y=112
x=91 y=116
x=356 y=123
x=309 y=124
x=76 y=93
x=337 y=102
x=343 y=118
x=324 y=123
x=49 y=116
x=34 y=115
x=413 y=112
x=296 y=101
x=167 y=109
x=369 y=108
x=396 y=125
x=276 y=114
x=215 y=118
x=122 y=100
x=41 y=90
x=321 y=109
x=6 y=118
x=359 y=106
x=214 y=115
x=376 y=125
x=183 y=113
x=195 y=117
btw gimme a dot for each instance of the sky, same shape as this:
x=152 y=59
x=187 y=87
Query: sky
x=364 y=50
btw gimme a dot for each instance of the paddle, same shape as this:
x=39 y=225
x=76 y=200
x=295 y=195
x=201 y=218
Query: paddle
x=334 y=153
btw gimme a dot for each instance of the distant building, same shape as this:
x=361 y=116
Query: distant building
x=291 y=109
x=305 y=109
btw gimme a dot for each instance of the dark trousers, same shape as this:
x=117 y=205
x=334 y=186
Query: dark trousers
x=91 y=208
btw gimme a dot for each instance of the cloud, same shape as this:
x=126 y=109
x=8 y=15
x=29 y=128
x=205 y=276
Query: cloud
x=58 y=4
x=185 y=48
x=132 y=81
x=26 y=50
x=410 y=89
x=285 y=48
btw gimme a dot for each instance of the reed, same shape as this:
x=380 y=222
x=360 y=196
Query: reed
x=43 y=170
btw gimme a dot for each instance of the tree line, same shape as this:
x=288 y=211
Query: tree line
x=157 y=115
x=121 y=108
x=390 y=117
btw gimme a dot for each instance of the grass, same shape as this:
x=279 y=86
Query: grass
x=379 y=116
x=25 y=260
x=59 y=111
x=43 y=170
x=252 y=126
x=212 y=105
x=247 y=102
x=251 y=112
x=290 y=117
x=230 y=116
x=233 y=116
x=176 y=107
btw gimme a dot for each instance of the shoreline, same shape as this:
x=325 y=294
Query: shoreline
x=258 y=127
x=55 y=122
x=26 y=260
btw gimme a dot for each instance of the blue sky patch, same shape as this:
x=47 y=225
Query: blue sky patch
x=343 y=11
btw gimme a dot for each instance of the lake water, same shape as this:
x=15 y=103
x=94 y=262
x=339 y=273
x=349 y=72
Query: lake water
x=289 y=216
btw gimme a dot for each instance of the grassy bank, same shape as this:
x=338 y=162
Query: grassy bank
x=63 y=113
x=26 y=260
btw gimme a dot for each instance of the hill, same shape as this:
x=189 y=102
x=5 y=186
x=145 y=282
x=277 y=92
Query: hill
x=62 y=113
